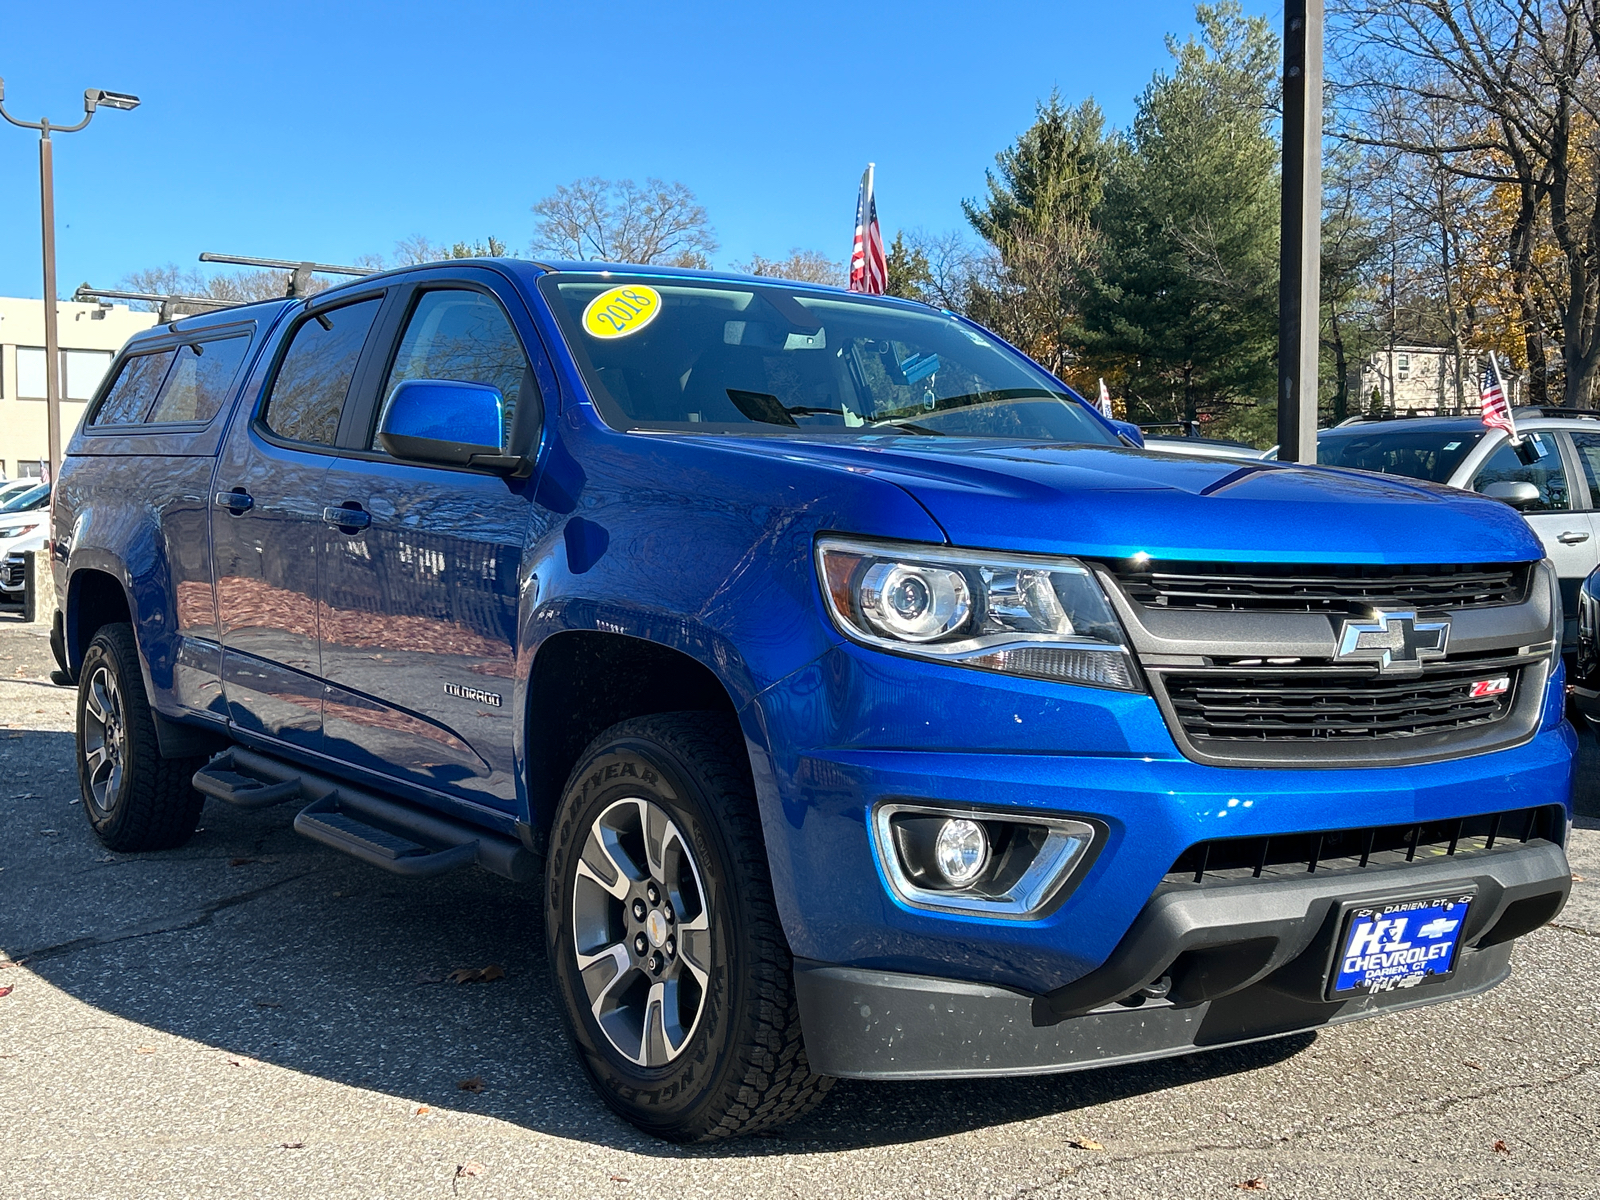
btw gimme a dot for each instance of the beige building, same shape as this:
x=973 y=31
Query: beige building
x=1423 y=379
x=90 y=335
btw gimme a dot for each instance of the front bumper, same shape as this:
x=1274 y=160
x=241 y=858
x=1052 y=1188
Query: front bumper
x=1242 y=961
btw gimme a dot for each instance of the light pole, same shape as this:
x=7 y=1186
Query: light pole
x=92 y=99
x=1300 y=253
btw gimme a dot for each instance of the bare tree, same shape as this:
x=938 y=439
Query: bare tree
x=599 y=220
x=803 y=266
x=1505 y=93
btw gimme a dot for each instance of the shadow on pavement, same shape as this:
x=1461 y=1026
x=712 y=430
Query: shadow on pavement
x=253 y=941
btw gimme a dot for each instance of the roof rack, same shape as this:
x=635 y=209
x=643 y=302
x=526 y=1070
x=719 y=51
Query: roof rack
x=300 y=273
x=169 y=303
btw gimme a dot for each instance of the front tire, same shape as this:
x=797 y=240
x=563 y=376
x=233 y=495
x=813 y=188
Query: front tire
x=671 y=965
x=134 y=799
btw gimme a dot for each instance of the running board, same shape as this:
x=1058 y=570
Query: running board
x=401 y=838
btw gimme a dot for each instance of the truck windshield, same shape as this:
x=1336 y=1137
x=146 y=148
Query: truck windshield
x=718 y=356
x=34 y=497
x=1431 y=454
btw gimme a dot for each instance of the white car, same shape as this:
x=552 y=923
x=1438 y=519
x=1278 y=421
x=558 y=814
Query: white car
x=11 y=488
x=24 y=522
x=1552 y=479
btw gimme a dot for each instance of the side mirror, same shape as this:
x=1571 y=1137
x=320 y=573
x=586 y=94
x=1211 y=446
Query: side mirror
x=448 y=422
x=1130 y=432
x=1517 y=493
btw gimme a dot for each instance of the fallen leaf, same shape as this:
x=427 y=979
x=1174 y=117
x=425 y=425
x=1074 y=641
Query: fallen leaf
x=242 y=862
x=1577 y=879
x=1476 y=1066
x=1258 y=1184
x=423 y=1109
x=5 y=991
x=293 y=1145
x=1085 y=1144
x=475 y=1084
x=7 y=963
x=468 y=1168
x=145 y=1050
x=49 y=833
x=268 y=1004
x=620 y=1179
x=1500 y=1146
x=476 y=974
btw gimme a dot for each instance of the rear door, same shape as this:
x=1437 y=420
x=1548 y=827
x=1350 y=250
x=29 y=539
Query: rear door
x=420 y=586
x=266 y=522
x=1558 y=516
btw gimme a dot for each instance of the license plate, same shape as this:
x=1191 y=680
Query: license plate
x=1390 y=945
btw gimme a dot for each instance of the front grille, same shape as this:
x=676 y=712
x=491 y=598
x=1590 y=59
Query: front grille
x=1226 y=859
x=1338 y=589
x=1330 y=704
x=11 y=573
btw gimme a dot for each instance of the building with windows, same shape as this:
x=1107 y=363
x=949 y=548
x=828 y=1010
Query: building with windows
x=90 y=336
x=1424 y=380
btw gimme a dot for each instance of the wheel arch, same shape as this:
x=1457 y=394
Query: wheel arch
x=582 y=682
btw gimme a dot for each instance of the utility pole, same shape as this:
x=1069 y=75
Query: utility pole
x=92 y=98
x=1300 y=248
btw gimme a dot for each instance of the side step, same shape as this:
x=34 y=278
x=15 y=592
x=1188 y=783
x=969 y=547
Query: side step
x=404 y=839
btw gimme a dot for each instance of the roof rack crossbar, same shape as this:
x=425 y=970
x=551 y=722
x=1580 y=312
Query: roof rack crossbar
x=300 y=273
x=169 y=303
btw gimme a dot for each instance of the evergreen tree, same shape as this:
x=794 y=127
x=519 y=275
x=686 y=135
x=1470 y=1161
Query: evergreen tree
x=1038 y=220
x=1185 y=301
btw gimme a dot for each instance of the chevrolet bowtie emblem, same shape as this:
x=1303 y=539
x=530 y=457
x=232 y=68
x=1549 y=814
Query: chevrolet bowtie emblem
x=1396 y=641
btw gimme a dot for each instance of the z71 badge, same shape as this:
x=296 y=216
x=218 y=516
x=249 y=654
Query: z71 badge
x=471 y=693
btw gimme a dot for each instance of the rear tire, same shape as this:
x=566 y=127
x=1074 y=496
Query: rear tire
x=134 y=799
x=685 y=1018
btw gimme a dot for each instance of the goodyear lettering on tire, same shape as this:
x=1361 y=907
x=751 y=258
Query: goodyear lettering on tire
x=620 y=311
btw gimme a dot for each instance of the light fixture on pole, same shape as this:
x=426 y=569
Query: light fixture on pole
x=93 y=98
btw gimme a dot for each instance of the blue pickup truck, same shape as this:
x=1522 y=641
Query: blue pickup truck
x=855 y=699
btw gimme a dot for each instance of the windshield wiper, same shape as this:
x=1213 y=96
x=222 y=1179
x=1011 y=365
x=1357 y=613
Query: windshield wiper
x=910 y=427
x=769 y=410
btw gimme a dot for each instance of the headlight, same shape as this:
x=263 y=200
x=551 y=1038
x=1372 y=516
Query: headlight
x=17 y=530
x=1045 y=618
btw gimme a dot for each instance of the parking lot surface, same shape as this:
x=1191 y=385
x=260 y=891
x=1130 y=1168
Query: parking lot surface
x=254 y=1015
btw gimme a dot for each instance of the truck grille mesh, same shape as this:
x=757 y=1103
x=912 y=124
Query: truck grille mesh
x=1224 y=859
x=1336 y=703
x=1296 y=587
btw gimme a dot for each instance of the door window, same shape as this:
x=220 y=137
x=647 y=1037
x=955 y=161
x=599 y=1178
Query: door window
x=462 y=336
x=1588 y=445
x=1545 y=472
x=314 y=378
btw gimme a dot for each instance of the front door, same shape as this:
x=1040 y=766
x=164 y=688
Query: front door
x=266 y=522
x=420 y=583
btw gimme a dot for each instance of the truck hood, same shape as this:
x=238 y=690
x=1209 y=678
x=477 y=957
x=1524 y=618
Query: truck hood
x=1111 y=502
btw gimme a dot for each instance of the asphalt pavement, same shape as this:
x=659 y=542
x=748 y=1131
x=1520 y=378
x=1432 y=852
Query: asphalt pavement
x=254 y=1015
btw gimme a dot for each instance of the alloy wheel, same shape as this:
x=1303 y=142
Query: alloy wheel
x=642 y=931
x=104 y=739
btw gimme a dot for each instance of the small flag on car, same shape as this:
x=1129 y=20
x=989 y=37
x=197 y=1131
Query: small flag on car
x=1105 y=399
x=1496 y=412
x=869 y=267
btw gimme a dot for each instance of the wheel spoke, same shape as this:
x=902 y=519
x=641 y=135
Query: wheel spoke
x=95 y=699
x=596 y=982
x=654 y=1050
x=94 y=760
x=601 y=865
x=657 y=828
x=694 y=951
x=618 y=884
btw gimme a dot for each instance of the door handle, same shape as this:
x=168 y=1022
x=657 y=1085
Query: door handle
x=349 y=517
x=1572 y=537
x=237 y=501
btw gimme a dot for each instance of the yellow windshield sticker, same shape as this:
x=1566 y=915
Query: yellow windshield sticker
x=619 y=311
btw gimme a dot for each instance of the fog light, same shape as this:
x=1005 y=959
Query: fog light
x=961 y=851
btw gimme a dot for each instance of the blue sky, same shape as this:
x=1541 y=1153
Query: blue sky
x=330 y=130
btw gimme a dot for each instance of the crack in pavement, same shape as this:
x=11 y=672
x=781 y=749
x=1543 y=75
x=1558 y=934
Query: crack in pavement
x=155 y=927
x=1434 y=1108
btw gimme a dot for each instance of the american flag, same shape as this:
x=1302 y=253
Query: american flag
x=1105 y=400
x=1496 y=412
x=869 y=268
